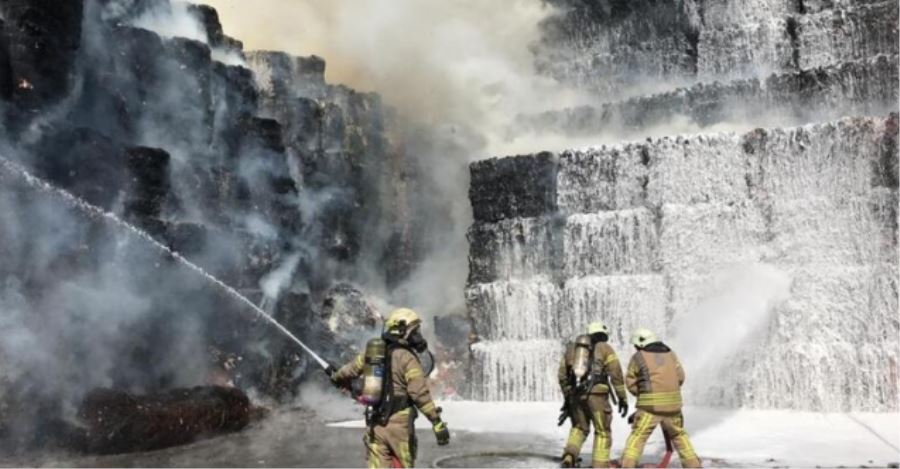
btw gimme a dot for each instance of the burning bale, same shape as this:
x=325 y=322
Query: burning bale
x=118 y=422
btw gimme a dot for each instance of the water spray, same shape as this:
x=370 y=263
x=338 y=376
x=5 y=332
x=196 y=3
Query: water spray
x=94 y=211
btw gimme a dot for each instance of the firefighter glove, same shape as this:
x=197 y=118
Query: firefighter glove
x=623 y=408
x=330 y=371
x=441 y=433
x=332 y=376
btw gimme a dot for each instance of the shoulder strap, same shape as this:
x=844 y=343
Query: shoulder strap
x=387 y=386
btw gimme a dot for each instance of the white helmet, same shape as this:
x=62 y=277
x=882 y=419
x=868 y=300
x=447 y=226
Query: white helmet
x=597 y=326
x=643 y=337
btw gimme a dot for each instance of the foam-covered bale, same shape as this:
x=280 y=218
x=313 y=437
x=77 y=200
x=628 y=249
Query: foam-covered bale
x=515 y=370
x=887 y=169
x=823 y=231
x=617 y=242
x=732 y=51
x=726 y=13
x=883 y=296
x=847 y=32
x=818 y=6
x=865 y=87
x=705 y=237
x=884 y=205
x=623 y=302
x=118 y=422
x=514 y=248
x=521 y=186
x=834 y=160
x=860 y=87
x=608 y=46
x=602 y=179
x=514 y=309
x=814 y=333
x=700 y=169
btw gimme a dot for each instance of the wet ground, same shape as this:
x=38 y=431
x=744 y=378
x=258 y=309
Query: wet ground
x=296 y=438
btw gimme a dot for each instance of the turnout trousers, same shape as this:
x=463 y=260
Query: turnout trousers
x=396 y=440
x=596 y=411
x=673 y=427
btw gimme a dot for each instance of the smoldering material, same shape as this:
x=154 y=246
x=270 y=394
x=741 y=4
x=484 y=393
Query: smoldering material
x=156 y=129
x=118 y=422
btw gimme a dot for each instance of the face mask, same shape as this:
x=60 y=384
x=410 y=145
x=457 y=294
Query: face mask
x=417 y=342
x=599 y=337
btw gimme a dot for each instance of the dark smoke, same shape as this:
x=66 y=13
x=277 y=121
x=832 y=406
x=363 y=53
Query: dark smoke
x=143 y=108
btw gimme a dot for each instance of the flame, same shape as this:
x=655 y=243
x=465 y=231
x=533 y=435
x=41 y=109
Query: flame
x=25 y=85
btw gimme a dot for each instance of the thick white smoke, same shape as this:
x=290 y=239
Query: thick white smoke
x=171 y=21
x=457 y=73
x=464 y=63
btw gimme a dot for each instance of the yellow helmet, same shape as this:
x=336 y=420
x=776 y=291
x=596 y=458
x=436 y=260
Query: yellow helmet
x=400 y=321
x=596 y=327
x=643 y=337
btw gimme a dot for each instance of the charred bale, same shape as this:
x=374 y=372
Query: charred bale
x=521 y=186
x=266 y=132
x=83 y=161
x=6 y=77
x=209 y=18
x=148 y=182
x=43 y=37
x=118 y=422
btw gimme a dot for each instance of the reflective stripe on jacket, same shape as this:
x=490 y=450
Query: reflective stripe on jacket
x=408 y=379
x=655 y=377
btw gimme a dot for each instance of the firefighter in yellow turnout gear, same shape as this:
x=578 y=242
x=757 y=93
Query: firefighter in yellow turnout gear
x=398 y=391
x=586 y=371
x=655 y=377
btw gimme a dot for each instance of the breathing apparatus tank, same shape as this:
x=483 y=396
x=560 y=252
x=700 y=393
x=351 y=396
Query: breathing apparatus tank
x=581 y=361
x=373 y=372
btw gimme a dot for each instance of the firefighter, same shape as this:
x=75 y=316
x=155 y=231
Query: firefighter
x=394 y=385
x=655 y=377
x=585 y=372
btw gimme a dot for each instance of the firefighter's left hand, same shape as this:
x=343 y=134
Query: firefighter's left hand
x=581 y=388
x=441 y=433
x=623 y=408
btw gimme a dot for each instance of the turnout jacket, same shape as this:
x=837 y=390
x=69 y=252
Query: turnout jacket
x=408 y=379
x=655 y=377
x=603 y=361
